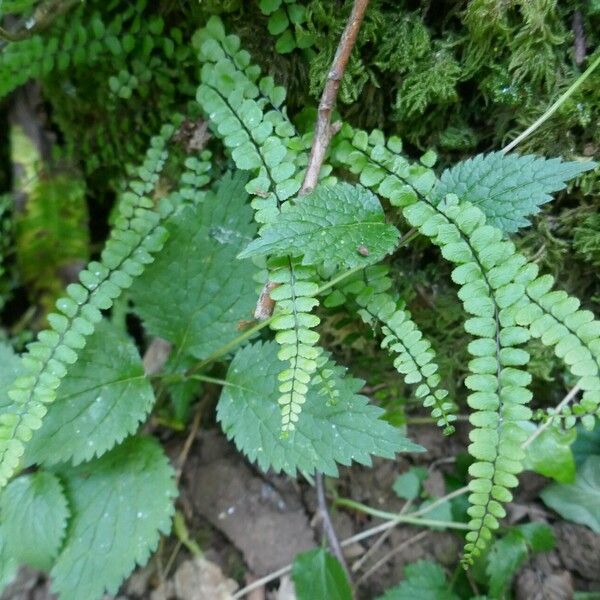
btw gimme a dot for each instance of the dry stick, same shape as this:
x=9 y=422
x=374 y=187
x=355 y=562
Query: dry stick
x=323 y=128
x=572 y=393
x=402 y=546
x=328 y=528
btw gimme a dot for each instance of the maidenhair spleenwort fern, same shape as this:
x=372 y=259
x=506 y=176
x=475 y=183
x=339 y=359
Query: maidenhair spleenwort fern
x=245 y=112
x=402 y=337
x=508 y=304
x=136 y=236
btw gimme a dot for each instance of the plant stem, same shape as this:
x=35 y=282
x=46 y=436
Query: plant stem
x=328 y=528
x=389 y=516
x=323 y=129
x=572 y=393
x=554 y=107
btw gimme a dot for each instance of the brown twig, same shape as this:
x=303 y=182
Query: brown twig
x=41 y=20
x=325 y=519
x=324 y=130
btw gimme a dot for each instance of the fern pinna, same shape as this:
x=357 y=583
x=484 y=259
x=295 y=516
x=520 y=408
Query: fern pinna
x=245 y=111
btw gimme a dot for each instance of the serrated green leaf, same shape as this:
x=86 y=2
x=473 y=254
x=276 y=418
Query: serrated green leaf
x=351 y=429
x=578 y=501
x=408 y=484
x=424 y=580
x=318 y=574
x=507 y=554
x=103 y=398
x=8 y=564
x=34 y=515
x=503 y=559
x=539 y=536
x=121 y=503
x=196 y=291
x=550 y=454
x=508 y=188
x=339 y=224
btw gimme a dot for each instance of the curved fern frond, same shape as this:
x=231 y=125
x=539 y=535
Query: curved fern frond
x=136 y=236
x=415 y=358
x=555 y=318
x=485 y=273
x=509 y=304
x=244 y=111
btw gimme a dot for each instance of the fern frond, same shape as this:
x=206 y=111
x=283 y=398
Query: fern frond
x=415 y=358
x=555 y=318
x=136 y=236
x=484 y=259
x=509 y=304
x=244 y=111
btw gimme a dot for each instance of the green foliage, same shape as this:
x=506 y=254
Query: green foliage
x=195 y=293
x=34 y=518
x=110 y=75
x=408 y=484
x=508 y=304
x=422 y=579
x=339 y=226
x=318 y=574
x=52 y=234
x=508 y=553
x=287 y=20
x=550 y=454
x=113 y=529
x=103 y=398
x=348 y=429
x=502 y=186
x=136 y=236
x=415 y=358
x=245 y=111
x=578 y=501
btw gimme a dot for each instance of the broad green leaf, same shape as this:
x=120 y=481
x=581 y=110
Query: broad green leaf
x=326 y=434
x=34 y=513
x=196 y=291
x=121 y=503
x=318 y=574
x=423 y=580
x=508 y=188
x=578 y=501
x=539 y=536
x=587 y=443
x=8 y=564
x=408 y=484
x=503 y=559
x=339 y=224
x=508 y=553
x=550 y=454
x=103 y=398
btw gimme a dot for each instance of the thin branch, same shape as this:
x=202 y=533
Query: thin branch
x=328 y=528
x=554 y=107
x=324 y=130
x=572 y=393
x=42 y=19
x=402 y=546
